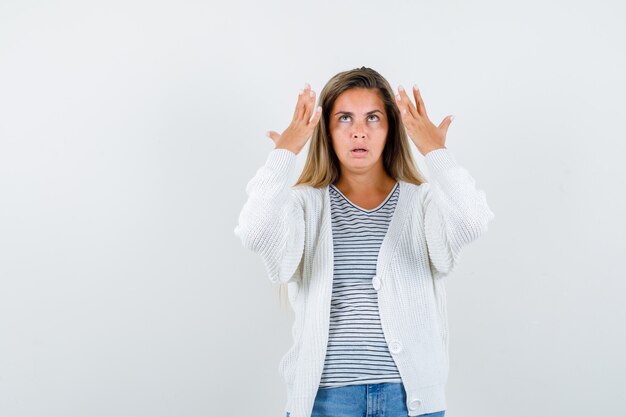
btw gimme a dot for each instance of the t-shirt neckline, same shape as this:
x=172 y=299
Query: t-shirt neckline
x=375 y=208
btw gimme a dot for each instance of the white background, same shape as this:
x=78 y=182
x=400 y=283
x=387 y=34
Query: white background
x=128 y=130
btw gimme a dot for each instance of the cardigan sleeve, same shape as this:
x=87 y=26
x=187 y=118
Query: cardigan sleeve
x=456 y=212
x=271 y=222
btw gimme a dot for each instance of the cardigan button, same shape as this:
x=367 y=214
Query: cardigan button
x=395 y=346
x=414 y=404
x=376 y=282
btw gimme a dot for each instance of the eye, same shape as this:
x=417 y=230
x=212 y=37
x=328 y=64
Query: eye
x=371 y=115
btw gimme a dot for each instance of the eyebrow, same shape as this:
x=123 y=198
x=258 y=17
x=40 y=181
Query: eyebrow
x=352 y=114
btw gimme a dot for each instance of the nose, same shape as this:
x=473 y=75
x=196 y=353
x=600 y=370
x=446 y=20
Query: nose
x=359 y=131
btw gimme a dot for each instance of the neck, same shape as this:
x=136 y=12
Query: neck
x=362 y=183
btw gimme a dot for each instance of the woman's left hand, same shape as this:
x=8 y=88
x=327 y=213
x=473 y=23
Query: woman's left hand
x=424 y=134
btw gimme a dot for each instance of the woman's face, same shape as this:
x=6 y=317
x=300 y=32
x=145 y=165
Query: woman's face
x=358 y=120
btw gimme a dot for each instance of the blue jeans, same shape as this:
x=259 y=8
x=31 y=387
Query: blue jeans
x=364 y=400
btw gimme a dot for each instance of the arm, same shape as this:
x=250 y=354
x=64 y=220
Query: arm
x=271 y=222
x=456 y=213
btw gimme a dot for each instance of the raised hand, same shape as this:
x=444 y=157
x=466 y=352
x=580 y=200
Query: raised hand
x=424 y=134
x=299 y=131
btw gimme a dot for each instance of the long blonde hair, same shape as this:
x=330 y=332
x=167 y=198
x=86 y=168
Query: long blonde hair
x=322 y=165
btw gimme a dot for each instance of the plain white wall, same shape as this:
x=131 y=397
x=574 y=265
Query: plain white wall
x=128 y=130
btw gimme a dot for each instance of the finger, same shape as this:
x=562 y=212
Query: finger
x=402 y=106
x=300 y=105
x=316 y=116
x=309 y=106
x=298 y=109
x=445 y=124
x=272 y=135
x=406 y=100
x=306 y=103
x=420 y=109
x=418 y=99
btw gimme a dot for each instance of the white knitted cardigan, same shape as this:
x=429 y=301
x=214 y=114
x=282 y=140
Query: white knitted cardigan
x=290 y=228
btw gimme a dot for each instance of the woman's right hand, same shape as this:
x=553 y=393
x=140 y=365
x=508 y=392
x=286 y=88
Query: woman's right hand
x=299 y=131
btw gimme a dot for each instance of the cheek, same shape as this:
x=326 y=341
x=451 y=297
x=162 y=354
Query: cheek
x=338 y=128
x=382 y=127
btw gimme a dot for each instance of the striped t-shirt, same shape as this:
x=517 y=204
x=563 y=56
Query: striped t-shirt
x=357 y=352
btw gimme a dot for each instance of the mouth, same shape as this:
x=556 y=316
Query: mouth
x=359 y=150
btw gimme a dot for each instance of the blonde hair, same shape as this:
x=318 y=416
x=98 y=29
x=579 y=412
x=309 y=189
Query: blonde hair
x=322 y=165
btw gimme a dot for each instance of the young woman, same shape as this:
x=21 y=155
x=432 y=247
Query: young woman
x=363 y=244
